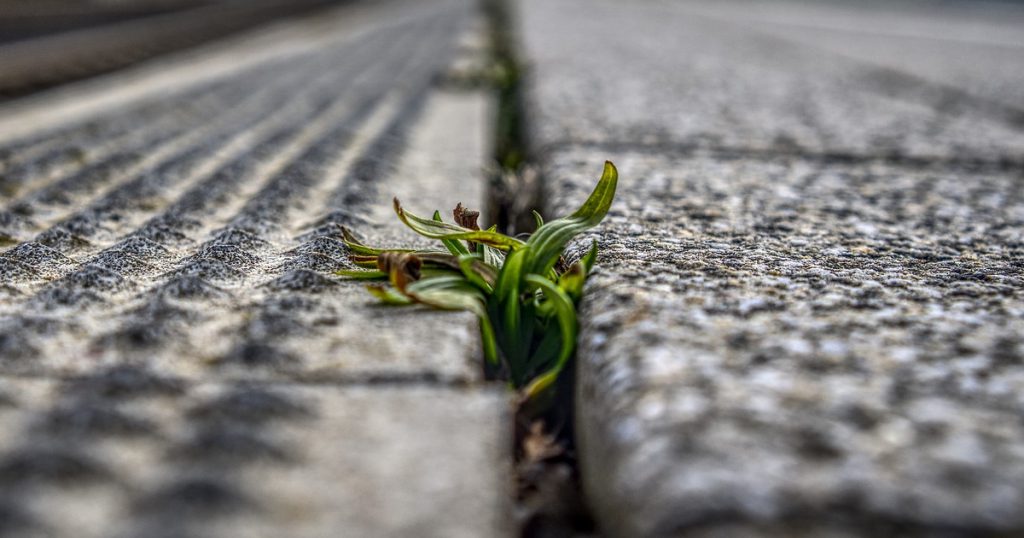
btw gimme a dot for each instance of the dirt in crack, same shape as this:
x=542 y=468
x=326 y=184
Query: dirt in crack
x=549 y=501
x=549 y=497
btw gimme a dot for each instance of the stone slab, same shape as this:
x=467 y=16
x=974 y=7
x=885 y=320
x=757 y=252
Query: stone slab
x=807 y=311
x=177 y=355
x=28 y=65
x=783 y=346
x=212 y=252
x=971 y=47
x=134 y=452
x=658 y=74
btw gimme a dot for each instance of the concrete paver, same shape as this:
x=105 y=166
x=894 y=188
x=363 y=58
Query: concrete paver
x=657 y=74
x=954 y=46
x=173 y=457
x=803 y=346
x=807 y=311
x=177 y=357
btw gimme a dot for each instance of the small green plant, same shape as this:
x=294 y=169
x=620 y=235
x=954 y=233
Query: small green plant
x=521 y=290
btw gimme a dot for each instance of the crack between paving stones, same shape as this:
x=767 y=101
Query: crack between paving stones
x=549 y=496
x=519 y=159
x=696 y=150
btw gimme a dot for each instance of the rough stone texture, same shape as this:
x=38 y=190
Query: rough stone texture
x=177 y=357
x=958 y=47
x=656 y=74
x=87 y=40
x=128 y=452
x=817 y=337
x=791 y=340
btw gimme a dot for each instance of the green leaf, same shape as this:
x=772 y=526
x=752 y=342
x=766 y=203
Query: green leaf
x=439 y=260
x=526 y=310
x=448 y=298
x=362 y=275
x=572 y=281
x=551 y=239
x=490 y=343
x=455 y=293
x=507 y=310
x=565 y=313
x=363 y=260
x=454 y=246
x=590 y=258
x=477 y=272
x=389 y=296
x=546 y=353
x=357 y=247
x=444 y=230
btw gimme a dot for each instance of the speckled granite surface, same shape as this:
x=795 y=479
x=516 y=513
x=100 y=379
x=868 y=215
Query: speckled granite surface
x=808 y=311
x=791 y=341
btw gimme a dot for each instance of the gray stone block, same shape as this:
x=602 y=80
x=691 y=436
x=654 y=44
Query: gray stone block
x=135 y=452
x=806 y=315
x=657 y=74
x=964 y=47
x=177 y=355
x=783 y=345
x=214 y=252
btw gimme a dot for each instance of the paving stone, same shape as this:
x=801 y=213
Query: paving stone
x=177 y=355
x=655 y=73
x=212 y=269
x=801 y=345
x=970 y=48
x=92 y=44
x=134 y=452
x=807 y=311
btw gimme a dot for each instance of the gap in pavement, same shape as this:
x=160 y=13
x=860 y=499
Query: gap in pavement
x=549 y=497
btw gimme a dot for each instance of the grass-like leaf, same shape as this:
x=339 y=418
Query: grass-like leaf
x=565 y=314
x=524 y=297
x=550 y=240
x=443 y=230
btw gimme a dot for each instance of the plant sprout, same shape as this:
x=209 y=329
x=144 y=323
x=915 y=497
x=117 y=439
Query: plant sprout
x=521 y=290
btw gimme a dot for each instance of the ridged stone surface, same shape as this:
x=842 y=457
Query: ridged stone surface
x=808 y=311
x=177 y=357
